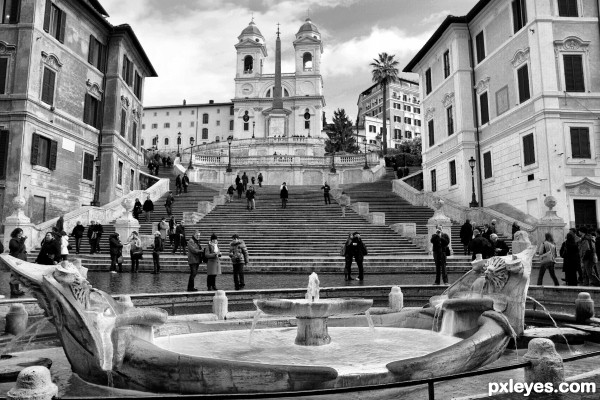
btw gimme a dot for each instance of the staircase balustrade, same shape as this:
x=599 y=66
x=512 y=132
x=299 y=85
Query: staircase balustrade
x=278 y=159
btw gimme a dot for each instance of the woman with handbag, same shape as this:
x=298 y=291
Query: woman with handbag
x=213 y=262
x=136 y=251
x=116 y=253
x=547 y=251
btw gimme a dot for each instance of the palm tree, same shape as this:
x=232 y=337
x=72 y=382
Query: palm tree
x=385 y=71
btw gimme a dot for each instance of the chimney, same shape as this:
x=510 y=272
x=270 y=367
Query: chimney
x=211 y=102
x=184 y=102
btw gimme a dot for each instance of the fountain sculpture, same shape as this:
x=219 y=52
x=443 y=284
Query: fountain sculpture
x=105 y=338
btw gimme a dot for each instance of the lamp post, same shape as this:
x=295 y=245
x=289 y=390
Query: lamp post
x=366 y=164
x=473 y=202
x=190 y=166
x=178 y=144
x=253 y=125
x=96 y=202
x=229 y=140
x=333 y=170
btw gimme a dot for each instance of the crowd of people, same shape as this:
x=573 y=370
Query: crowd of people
x=155 y=162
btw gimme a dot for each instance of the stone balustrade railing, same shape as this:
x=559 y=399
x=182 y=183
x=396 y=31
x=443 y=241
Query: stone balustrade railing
x=344 y=160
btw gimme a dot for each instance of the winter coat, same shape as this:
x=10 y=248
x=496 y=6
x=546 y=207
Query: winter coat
x=60 y=224
x=230 y=190
x=238 y=252
x=194 y=251
x=116 y=247
x=237 y=180
x=170 y=200
x=480 y=245
x=213 y=263
x=162 y=227
x=239 y=187
x=136 y=246
x=355 y=247
x=158 y=245
x=185 y=181
x=64 y=245
x=439 y=244
x=178 y=181
x=99 y=230
x=500 y=244
x=326 y=189
x=466 y=233
x=250 y=194
x=49 y=253
x=78 y=231
x=260 y=177
x=17 y=248
x=283 y=193
x=148 y=206
x=180 y=231
x=137 y=209
x=245 y=178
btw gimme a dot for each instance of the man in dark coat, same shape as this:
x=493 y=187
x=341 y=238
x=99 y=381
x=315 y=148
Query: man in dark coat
x=240 y=189
x=245 y=181
x=179 y=238
x=116 y=253
x=250 y=195
x=169 y=203
x=354 y=248
x=185 y=182
x=439 y=243
x=77 y=233
x=326 y=190
x=239 y=258
x=466 y=234
x=194 y=259
x=480 y=245
x=178 y=185
x=50 y=252
x=148 y=207
x=499 y=246
x=98 y=229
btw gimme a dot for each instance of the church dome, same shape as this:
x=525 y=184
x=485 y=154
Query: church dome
x=308 y=27
x=251 y=29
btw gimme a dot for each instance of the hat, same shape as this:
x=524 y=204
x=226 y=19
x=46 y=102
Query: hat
x=355 y=233
x=213 y=237
x=235 y=236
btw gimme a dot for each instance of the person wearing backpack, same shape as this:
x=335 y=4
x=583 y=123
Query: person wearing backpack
x=547 y=251
x=239 y=258
x=283 y=193
x=587 y=253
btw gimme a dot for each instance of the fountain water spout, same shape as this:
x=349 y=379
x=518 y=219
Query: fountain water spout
x=312 y=292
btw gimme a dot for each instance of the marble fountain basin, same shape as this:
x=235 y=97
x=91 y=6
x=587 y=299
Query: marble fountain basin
x=322 y=308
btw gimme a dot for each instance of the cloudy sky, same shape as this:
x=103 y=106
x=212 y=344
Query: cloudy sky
x=190 y=42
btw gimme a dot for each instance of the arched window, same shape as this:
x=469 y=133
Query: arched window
x=268 y=93
x=166 y=141
x=205 y=118
x=285 y=93
x=248 y=64
x=204 y=133
x=307 y=62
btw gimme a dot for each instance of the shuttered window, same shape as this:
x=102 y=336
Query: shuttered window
x=446 y=64
x=573 y=73
x=519 y=10
x=523 y=82
x=428 y=87
x=204 y=133
x=3 y=153
x=134 y=127
x=452 y=167
x=131 y=179
x=487 y=165
x=120 y=173
x=3 y=74
x=528 y=150
x=11 y=11
x=450 y=121
x=480 y=47
x=433 y=180
x=567 y=8
x=88 y=166
x=484 y=108
x=431 y=132
x=96 y=53
x=91 y=111
x=48 y=83
x=123 y=123
x=44 y=151
x=127 y=71
x=55 y=21
x=580 y=143
x=137 y=86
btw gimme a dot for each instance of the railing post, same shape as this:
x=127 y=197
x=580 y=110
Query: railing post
x=431 y=390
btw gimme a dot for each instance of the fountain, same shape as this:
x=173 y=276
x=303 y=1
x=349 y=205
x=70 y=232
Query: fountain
x=105 y=338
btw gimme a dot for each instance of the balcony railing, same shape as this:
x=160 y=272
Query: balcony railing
x=291 y=160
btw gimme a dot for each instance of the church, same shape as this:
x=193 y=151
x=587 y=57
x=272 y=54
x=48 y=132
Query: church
x=280 y=104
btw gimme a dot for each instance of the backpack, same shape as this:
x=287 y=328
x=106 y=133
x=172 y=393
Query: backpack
x=590 y=254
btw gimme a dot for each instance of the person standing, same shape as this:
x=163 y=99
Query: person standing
x=194 y=259
x=99 y=229
x=213 y=262
x=169 y=203
x=148 y=208
x=499 y=246
x=178 y=185
x=439 y=243
x=240 y=189
x=60 y=224
x=245 y=181
x=137 y=209
x=136 y=252
x=250 y=198
x=569 y=251
x=587 y=254
x=260 y=179
x=230 y=191
x=172 y=230
x=17 y=249
x=163 y=227
x=239 y=258
x=156 y=250
x=50 y=252
x=253 y=180
x=92 y=236
x=77 y=233
x=116 y=253
x=283 y=194
x=547 y=251
x=238 y=180
x=466 y=235
x=326 y=190
x=479 y=245
x=185 y=182
x=64 y=246
x=344 y=202
x=355 y=248
x=179 y=238
x=169 y=161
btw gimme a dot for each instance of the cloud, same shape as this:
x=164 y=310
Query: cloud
x=435 y=18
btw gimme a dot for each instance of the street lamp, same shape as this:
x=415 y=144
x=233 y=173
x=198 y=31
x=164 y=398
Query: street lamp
x=96 y=202
x=178 y=144
x=366 y=164
x=229 y=140
x=191 y=152
x=253 y=124
x=333 y=170
x=473 y=202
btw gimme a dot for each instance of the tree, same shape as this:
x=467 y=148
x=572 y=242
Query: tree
x=341 y=134
x=384 y=72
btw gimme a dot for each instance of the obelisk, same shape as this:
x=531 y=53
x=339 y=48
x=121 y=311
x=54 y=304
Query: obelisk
x=277 y=116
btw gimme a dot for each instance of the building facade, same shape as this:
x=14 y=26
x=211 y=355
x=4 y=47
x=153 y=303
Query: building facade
x=71 y=88
x=515 y=84
x=300 y=113
x=403 y=112
x=205 y=123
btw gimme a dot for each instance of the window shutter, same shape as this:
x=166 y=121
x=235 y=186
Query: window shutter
x=62 y=25
x=528 y=149
x=101 y=56
x=48 y=86
x=124 y=71
x=431 y=133
x=35 y=146
x=452 y=173
x=480 y=46
x=483 y=103
x=523 y=76
x=515 y=12
x=584 y=140
x=53 y=154
x=123 y=122
x=487 y=165
x=86 y=110
x=92 y=49
x=15 y=8
x=134 y=134
x=3 y=153
x=3 y=74
x=47 y=13
x=578 y=74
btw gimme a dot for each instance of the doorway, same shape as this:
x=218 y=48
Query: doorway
x=585 y=214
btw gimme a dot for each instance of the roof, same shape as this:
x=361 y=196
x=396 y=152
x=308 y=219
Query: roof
x=125 y=28
x=308 y=26
x=376 y=84
x=450 y=19
x=188 y=106
x=251 y=29
x=98 y=7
